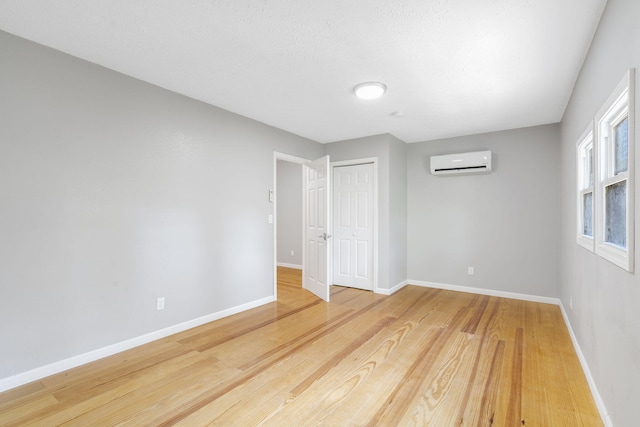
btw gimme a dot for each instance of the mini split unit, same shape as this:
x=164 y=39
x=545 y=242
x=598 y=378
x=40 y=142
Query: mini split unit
x=475 y=162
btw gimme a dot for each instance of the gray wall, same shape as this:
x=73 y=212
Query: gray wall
x=397 y=211
x=504 y=224
x=389 y=151
x=289 y=197
x=605 y=315
x=114 y=192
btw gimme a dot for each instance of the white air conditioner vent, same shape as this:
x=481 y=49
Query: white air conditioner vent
x=475 y=162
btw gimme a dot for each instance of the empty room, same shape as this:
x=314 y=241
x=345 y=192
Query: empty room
x=290 y=213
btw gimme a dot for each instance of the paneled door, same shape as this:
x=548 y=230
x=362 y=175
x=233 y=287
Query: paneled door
x=317 y=250
x=353 y=226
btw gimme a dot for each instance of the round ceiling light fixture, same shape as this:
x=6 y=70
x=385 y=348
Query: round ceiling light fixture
x=369 y=90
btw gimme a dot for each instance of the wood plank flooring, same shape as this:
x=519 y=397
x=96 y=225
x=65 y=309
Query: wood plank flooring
x=419 y=357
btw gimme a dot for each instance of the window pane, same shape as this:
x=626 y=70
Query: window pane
x=622 y=143
x=587 y=214
x=616 y=214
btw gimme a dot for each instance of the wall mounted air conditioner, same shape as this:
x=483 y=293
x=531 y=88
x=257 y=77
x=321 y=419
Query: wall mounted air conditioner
x=475 y=162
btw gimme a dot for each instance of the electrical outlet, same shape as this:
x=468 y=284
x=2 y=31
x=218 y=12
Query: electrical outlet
x=292 y=252
x=160 y=303
x=571 y=302
x=470 y=271
x=270 y=219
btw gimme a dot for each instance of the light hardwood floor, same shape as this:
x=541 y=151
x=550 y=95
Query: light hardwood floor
x=419 y=357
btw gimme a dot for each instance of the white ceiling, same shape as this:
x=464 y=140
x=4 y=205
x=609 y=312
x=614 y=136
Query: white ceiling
x=452 y=67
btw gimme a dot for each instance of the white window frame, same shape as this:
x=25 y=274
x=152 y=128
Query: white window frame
x=586 y=185
x=619 y=105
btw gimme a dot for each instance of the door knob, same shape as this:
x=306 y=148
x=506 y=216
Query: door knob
x=325 y=236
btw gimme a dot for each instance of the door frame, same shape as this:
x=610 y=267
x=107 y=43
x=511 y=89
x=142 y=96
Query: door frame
x=292 y=159
x=355 y=162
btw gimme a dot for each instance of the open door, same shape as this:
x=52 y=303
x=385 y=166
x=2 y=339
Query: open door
x=316 y=248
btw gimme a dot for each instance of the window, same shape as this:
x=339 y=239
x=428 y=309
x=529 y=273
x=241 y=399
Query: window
x=585 y=180
x=614 y=140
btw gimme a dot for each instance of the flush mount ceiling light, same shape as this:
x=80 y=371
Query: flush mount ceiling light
x=369 y=90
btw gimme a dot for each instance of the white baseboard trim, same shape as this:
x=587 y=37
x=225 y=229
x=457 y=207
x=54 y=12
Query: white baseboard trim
x=393 y=290
x=284 y=264
x=490 y=292
x=587 y=372
x=91 y=356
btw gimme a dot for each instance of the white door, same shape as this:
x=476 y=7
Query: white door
x=353 y=226
x=317 y=250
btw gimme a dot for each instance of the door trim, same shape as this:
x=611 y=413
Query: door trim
x=356 y=162
x=292 y=159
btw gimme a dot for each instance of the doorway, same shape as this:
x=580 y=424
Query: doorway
x=289 y=214
x=287 y=230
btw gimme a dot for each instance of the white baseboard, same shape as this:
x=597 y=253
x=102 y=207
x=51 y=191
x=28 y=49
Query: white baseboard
x=587 y=372
x=91 y=356
x=284 y=264
x=490 y=292
x=393 y=290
